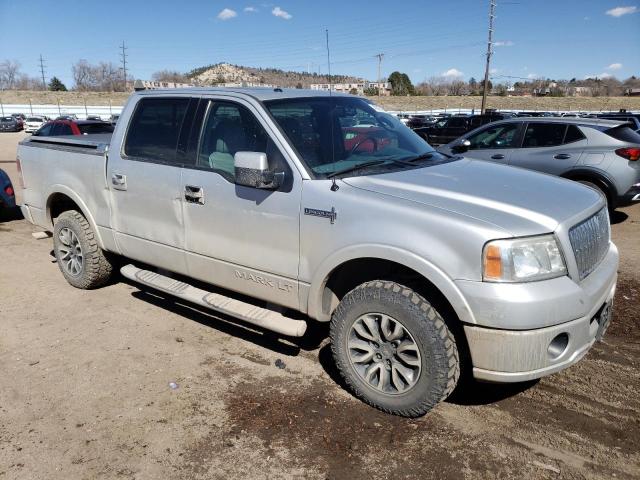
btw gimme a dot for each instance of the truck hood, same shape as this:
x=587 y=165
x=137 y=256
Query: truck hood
x=522 y=202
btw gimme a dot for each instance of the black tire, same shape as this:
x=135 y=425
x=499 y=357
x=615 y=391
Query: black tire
x=96 y=269
x=438 y=359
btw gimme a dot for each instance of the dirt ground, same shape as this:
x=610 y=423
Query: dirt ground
x=84 y=392
x=389 y=103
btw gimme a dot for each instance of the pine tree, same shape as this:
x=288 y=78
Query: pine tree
x=55 y=85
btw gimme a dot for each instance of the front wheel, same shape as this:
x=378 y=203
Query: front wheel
x=79 y=257
x=393 y=349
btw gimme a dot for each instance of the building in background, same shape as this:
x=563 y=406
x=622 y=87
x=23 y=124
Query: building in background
x=354 y=88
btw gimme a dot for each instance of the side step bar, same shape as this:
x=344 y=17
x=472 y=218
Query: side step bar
x=262 y=317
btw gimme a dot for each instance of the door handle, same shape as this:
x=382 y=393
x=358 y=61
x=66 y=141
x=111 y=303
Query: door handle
x=562 y=156
x=194 y=194
x=497 y=156
x=119 y=181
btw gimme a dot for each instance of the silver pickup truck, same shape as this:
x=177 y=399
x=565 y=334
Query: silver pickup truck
x=292 y=206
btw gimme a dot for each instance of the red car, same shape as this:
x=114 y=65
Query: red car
x=364 y=139
x=56 y=128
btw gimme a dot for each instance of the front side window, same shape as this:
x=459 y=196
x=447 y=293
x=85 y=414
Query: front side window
x=544 y=135
x=232 y=128
x=154 y=129
x=335 y=135
x=497 y=136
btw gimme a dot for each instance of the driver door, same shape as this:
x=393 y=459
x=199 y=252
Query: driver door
x=495 y=143
x=245 y=239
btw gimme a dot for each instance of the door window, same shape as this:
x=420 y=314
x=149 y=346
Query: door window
x=573 y=134
x=457 y=122
x=497 y=136
x=154 y=129
x=65 y=129
x=45 y=130
x=544 y=135
x=232 y=128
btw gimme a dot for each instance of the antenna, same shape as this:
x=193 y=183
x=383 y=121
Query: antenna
x=492 y=9
x=123 y=57
x=328 y=60
x=44 y=83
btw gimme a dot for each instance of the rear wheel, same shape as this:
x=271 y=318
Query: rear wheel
x=394 y=349
x=82 y=262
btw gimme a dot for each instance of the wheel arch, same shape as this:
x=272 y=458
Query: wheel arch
x=597 y=177
x=350 y=267
x=61 y=199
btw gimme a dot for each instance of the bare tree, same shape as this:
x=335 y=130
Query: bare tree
x=83 y=75
x=102 y=77
x=9 y=71
x=457 y=87
x=170 y=76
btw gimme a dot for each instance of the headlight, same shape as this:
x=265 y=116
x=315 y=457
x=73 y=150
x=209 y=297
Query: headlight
x=522 y=260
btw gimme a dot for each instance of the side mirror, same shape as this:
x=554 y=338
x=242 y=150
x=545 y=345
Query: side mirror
x=252 y=170
x=461 y=147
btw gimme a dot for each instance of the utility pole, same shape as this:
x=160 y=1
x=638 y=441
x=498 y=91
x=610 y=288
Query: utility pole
x=379 y=56
x=44 y=83
x=123 y=58
x=492 y=10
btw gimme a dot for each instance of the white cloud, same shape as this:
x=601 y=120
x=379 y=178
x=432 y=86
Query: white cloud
x=250 y=9
x=227 y=14
x=278 y=12
x=532 y=76
x=493 y=71
x=452 y=72
x=614 y=66
x=586 y=19
x=620 y=11
x=506 y=43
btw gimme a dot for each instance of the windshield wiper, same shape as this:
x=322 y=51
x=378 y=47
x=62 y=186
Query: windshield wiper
x=356 y=167
x=424 y=156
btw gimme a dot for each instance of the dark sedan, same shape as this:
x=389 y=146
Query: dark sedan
x=10 y=124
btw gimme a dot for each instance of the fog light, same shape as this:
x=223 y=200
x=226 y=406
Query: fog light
x=558 y=345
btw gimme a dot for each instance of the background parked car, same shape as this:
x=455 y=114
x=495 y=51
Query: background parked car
x=34 y=123
x=10 y=124
x=7 y=195
x=604 y=154
x=56 y=128
x=113 y=119
x=448 y=129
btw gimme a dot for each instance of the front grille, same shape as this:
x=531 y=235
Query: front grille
x=590 y=242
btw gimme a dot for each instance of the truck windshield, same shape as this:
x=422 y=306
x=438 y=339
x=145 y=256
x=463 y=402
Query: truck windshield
x=335 y=135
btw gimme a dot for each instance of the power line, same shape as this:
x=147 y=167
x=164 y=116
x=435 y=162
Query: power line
x=492 y=9
x=44 y=83
x=123 y=59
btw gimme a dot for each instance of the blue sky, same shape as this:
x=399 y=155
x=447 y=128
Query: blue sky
x=424 y=38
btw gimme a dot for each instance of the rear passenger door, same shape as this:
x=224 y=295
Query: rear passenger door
x=144 y=182
x=549 y=147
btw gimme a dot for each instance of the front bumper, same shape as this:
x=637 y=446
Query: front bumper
x=516 y=324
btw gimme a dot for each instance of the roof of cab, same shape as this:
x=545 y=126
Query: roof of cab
x=259 y=93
